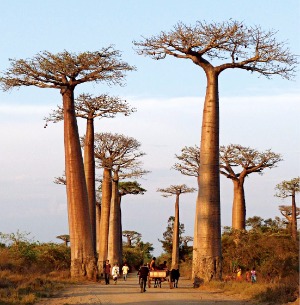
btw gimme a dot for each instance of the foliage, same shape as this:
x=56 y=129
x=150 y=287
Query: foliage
x=271 y=250
x=136 y=252
x=184 y=249
x=30 y=269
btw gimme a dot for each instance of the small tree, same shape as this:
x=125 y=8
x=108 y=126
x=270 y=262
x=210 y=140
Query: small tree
x=216 y=47
x=247 y=161
x=176 y=190
x=131 y=237
x=65 y=71
x=289 y=188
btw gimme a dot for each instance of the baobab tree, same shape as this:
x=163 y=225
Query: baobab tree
x=287 y=212
x=65 y=71
x=176 y=190
x=118 y=154
x=131 y=236
x=127 y=188
x=216 y=47
x=65 y=238
x=289 y=188
x=247 y=161
x=90 y=107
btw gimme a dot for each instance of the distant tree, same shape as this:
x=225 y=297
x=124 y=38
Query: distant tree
x=118 y=154
x=247 y=161
x=287 y=212
x=128 y=188
x=289 y=188
x=131 y=236
x=65 y=238
x=176 y=190
x=231 y=45
x=167 y=240
x=90 y=107
x=65 y=71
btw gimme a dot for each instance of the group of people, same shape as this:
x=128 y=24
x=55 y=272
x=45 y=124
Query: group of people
x=114 y=272
x=250 y=275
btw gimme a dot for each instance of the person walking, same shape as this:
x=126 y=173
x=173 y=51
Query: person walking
x=115 y=273
x=125 y=270
x=253 y=275
x=106 y=271
x=143 y=275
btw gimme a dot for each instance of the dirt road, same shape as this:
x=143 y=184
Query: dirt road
x=128 y=292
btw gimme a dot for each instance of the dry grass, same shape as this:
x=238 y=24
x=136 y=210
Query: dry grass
x=26 y=288
x=271 y=293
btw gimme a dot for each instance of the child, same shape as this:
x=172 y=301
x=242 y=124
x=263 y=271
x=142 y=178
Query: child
x=253 y=275
x=115 y=273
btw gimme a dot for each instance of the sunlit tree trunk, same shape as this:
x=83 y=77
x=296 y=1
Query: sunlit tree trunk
x=82 y=253
x=114 y=224
x=294 y=216
x=104 y=221
x=239 y=205
x=207 y=254
x=98 y=217
x=175 y=247
x=89 y=168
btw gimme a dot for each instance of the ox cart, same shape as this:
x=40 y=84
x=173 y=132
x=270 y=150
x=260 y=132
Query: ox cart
x=158 y=276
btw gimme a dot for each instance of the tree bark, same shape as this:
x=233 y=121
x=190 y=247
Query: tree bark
x=114 y=224
x=104 y=221
x=89 y=168
x=175 y=248
x=82 y=254
x=239 y=205
x=294 y=216
x=98 y=217
x=207 y=254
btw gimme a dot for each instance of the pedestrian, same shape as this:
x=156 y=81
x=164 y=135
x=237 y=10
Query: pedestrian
x=106 y=271
x=115 y=272
x=248 y=275
x=239 y=274
x=143 y=275
x=125 y=270
x=253 y=275
x=152 y=264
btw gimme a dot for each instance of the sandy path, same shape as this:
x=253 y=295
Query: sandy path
x=128 y=293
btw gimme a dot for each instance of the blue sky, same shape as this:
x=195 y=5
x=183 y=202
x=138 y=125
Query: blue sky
x=168 y=95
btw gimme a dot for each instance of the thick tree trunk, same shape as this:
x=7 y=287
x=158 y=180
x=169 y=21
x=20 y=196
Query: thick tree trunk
x=175 y=248
x=104 y=221
x=82 y=253
x=121 y=230
x=207 y=240
x=294 y=216
x=89 y=169
x=239 y=205
x=114 y=224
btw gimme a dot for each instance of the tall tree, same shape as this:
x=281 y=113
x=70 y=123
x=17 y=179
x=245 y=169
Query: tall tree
x=65 y=71
x=90 y=107
x=232 y=45
x=118 y=154
x=176 y=190
x=289 y=188
x=247 y=161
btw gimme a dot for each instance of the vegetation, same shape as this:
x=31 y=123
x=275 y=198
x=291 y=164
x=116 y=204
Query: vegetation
x=29 y=269
x=287 y=189
x=176 y=190
x=216 y=47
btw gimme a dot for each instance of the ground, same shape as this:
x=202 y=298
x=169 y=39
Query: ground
x=128 y=292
